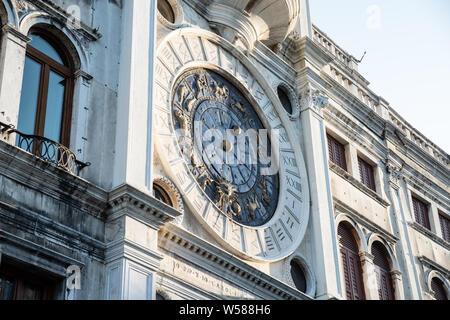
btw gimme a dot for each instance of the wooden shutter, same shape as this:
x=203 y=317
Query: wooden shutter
x=336 y=152
x=366 y=174
x=445 y=227
x=351 y=263
x=421 y=213
x=382 y=271
x=440 y=293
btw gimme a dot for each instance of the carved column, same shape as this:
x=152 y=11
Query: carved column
x=398 y=284
x=12 y=61
x=322 y=218
x=369 y=276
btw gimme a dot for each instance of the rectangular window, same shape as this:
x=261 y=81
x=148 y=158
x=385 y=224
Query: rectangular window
x=366 y=174
x=421 y=213
x=445 y=226
x=336 y=151
x=17 y=284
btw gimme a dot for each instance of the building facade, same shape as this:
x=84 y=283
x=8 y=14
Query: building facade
x=112 y=116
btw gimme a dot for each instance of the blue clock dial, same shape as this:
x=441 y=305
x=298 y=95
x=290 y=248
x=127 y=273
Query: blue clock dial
x=217 y=130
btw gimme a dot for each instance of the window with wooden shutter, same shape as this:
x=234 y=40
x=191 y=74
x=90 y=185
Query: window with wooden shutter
x=439 y=290
x=421 y=213
x=383 y=272
x=336 y=152
x=351 y=264
x=366 y=174
x=445 y=227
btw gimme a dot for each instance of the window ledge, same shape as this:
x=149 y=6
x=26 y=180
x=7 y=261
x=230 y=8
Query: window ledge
x=347 y=176
x=428 y=233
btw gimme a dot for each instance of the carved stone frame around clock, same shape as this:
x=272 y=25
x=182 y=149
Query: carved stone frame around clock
x=190 y=48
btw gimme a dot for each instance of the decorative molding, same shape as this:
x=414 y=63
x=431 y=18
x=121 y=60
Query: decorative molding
x=429 y=234
x=174 y=194
x=178 y=15
x=311 y=98
x=125 y=199
x=175 y=239
x=361 y=187
x=433 y=265
x=57 y=14
x=340 y=206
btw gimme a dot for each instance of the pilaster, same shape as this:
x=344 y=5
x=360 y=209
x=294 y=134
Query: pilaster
x=133 y=147
x=132 y=256
x=12 y=60
x=322 y=217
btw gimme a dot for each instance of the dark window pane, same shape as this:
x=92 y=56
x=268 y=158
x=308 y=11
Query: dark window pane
x=6 y=288
x=29 y=97
x=285 y=101
x=440 y=293
x=166 y=10
x=161 y=194
x=46 y=48
x=298 y=276
x=55 y=104
x=445 y=227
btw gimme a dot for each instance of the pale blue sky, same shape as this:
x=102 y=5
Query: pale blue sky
x=408 y=54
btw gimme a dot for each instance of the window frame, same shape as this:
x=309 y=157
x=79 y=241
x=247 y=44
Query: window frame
x=67 y=72
x=423 y=215
x=366 y=174
x=444 y=222
x=351 y=265
x=335 y=145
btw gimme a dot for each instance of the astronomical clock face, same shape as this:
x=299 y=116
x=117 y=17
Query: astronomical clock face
x=224 y=145
x=218 y=132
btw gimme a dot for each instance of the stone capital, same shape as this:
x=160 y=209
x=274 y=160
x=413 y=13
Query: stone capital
x=312 y=99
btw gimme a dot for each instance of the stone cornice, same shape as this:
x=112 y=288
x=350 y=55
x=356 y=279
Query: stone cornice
x=433 y=265
x=39 y=175
x=343 y=207
x=63 y=16
x=413 y=151
x=429 y=234
x=34 y=223
x=361 y=187
x=225 y=263
x=127 y=200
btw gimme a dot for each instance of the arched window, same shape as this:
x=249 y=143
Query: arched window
x=438 y=287
x=351 y=263
x=298 y=276
x=47 y=89
x=382 y=271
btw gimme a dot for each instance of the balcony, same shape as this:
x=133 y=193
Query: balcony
x=47 y=150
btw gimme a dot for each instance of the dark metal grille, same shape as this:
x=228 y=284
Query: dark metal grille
x=45 y=149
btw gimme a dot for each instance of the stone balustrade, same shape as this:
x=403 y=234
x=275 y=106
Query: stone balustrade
x=420 y=140
x=346 y=59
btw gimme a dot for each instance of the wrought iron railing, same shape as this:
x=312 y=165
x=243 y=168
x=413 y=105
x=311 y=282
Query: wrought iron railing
x=45 y=149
